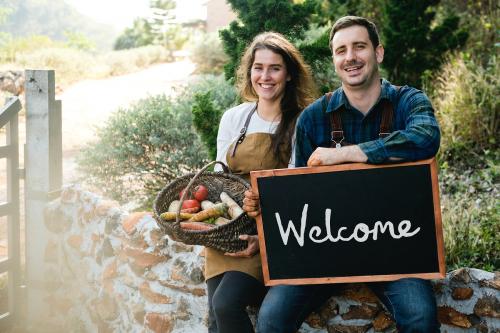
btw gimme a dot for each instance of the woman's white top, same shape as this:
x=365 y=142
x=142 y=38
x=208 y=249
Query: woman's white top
x=232 y=122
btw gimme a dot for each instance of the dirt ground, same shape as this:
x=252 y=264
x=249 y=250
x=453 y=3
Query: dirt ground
x=86 y=105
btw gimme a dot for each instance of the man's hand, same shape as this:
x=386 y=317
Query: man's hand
x=250 y=251
x=331 y=156
x=251 y=203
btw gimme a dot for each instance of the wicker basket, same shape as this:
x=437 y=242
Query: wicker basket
x=224 y=237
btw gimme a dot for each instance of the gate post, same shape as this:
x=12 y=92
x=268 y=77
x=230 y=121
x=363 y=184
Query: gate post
x=43 y=174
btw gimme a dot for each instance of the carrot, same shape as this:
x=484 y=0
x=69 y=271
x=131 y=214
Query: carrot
x=196 y=226
x=234 y=209
x=170 y=216
x=192 y=210
x=215 y=211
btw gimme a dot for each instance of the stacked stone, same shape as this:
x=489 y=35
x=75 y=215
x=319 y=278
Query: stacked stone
x=112 y=271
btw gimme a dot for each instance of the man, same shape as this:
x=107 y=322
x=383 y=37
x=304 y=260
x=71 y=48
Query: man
x=357 y=113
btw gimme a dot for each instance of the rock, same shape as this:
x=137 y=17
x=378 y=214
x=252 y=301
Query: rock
x=329 y=310
x=75 y=241
x=182 y=312
x=103 y=207
x=337 y=328
x=106 y=307
x=382 y=322
x=460 y=275
x=488 y=306
x=461 y=294
x=159 y=323
x=363 y=311
x=492 y=283
x=110 y=271
x=143 y=259
x=56 y=221
x=151 y=276
x=152 y=296
x=359 y=292
x=183 y=288
x=12 y=81
x=181 y=247
x=112 y=222
x=107 y=248
x=69 y=195
x=187 y=273
x=131 y=221
x=449 y=316
x=315 y=321
x=156 y=238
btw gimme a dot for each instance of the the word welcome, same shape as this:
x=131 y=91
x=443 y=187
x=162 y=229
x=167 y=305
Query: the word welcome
x=361 y=232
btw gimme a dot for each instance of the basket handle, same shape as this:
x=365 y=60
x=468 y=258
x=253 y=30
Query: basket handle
x=188 y=187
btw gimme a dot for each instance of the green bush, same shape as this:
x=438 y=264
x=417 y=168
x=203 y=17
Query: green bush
x=470 y=204
x=207 y=53
x=465 y=96
x=212 y=96
x=142 y=148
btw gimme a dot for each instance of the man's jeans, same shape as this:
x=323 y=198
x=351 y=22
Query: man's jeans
x=410 y=301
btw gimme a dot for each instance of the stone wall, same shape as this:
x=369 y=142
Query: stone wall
x=108 y=270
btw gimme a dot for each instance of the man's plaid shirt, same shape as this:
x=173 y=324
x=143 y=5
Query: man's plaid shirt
x=415 y=133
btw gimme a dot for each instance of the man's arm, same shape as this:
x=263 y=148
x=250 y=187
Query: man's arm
x=419 y=139
x=331 y=156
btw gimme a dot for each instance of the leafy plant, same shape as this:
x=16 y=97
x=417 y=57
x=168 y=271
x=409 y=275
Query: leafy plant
x=470 y=203
x=466 y=103
x=256 y=16
x=213 y=96
x=207 y=53
x=142 y=148
x=415 y=42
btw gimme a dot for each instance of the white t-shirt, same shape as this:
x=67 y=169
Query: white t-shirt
x=232 y=122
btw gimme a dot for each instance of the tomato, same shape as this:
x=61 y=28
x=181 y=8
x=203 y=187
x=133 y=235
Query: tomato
x=191 y=204
x=200 y=193
x=188 y=195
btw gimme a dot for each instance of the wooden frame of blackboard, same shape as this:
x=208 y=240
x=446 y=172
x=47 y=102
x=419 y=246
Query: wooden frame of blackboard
x=364 y=278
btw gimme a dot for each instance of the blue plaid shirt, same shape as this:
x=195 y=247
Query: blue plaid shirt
x=415 y=133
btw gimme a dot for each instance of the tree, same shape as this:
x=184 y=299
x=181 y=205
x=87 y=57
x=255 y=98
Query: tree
x=256 y=16
x=415 y=44
x=140 y=34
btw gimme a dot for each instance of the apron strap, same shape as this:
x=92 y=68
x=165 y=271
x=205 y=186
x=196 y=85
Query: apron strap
x=243 y=131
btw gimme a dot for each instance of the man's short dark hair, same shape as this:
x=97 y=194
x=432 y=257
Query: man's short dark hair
x=349 y=21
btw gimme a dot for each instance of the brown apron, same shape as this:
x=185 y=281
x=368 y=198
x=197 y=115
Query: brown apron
x=253 y=153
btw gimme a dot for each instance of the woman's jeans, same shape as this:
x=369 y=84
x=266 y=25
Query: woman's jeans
x=410 y=301
x=229 y=294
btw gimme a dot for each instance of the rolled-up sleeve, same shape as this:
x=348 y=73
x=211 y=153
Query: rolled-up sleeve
x=419 y=139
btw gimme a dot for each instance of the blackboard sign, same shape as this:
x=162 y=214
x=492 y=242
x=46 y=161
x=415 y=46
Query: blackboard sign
x=350 y=223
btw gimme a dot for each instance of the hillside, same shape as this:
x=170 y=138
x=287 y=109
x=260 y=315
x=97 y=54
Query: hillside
x=52 y=18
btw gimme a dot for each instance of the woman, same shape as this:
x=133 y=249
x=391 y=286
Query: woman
x=276 y=85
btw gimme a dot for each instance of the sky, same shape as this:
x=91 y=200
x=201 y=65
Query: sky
x=121 y=13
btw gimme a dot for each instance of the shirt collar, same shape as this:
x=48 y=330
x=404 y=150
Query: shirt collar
x=340 y=99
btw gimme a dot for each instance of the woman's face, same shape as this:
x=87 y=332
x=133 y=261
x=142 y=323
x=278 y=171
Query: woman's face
x=269 y=75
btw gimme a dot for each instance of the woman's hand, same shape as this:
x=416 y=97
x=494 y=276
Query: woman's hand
x=250 y=251
x=251 y=203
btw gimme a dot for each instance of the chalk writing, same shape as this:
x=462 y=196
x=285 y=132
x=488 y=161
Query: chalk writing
x=360 y=233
